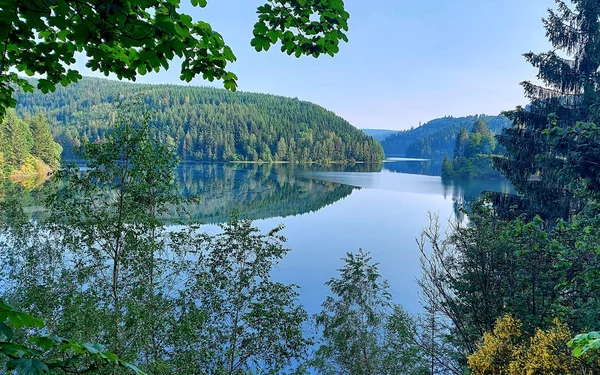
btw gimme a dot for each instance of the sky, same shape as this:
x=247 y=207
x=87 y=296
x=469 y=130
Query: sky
x=407 y=61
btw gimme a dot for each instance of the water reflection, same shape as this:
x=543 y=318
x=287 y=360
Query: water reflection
x=464 y=191
x=262 y=191
x=259 y=191
x=328 y=211
x=414 y=166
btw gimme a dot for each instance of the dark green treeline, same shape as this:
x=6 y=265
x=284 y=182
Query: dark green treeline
x=206 y=123
x=473 y=153
x=436 y=139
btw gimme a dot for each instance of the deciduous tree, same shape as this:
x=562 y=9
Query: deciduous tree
x=132 y=37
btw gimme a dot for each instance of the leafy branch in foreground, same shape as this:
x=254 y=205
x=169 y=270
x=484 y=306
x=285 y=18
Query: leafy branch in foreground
x=49 y=354
x=132 y=37
x=586 y=345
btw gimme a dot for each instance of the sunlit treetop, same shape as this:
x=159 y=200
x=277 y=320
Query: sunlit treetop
x=130 y=37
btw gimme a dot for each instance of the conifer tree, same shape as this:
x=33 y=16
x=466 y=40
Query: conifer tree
x=44 y=146
x=17 y=139
x=480 y=126
x=461 y=143
x=569 y=95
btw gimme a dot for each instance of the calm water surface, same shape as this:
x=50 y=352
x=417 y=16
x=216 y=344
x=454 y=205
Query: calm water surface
x=328 y=212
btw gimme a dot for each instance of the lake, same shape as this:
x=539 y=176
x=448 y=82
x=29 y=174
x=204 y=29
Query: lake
x=328 y=212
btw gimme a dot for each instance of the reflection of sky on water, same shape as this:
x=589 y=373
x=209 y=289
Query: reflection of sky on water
x=330 y=211
x=382 y=222
x=383 y=215
x=385 y=180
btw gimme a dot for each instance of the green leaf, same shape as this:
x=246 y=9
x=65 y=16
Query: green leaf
x=46 y=343
x=260 y=28
x=185 y=20
x=20 y=320
x=6 y=307
x=75 y=347
x=15 y=349
x=132 y=367
x=6 y=331
x=93 y=348
x=181 y=31
x=27 y=366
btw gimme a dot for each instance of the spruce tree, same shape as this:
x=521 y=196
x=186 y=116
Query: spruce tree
x=44 y=146
x=447 y=168
x=461 y=143
x=17 y=139
x=480 y=126
x=569 y=95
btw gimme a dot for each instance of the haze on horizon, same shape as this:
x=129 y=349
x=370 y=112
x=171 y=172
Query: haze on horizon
x=406 y=62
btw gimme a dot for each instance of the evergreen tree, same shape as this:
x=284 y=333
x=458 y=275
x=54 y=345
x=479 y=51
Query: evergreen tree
x=436 y=138
x=26 y=147
x=569 y=95
x=18 y=139
x=461 y=144
x=44 y=146
x=2 y=165
x=447 y=169
x=205 y=123
x=480 y=126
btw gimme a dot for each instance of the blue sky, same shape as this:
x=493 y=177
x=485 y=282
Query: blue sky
x=406 y=62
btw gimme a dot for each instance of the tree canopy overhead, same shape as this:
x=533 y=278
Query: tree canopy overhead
x=130 y=37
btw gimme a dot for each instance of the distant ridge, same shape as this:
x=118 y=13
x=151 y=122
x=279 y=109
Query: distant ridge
x=435 y=139
x=207 y=124
x=378 y=134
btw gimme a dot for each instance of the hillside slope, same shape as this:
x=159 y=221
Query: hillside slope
x=436 y=138
x=27 y=149
x=207 y=123
x=378 y=134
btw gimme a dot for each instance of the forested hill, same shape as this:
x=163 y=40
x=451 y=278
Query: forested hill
x=378 y=134
x=207 y=123
x=436 y=138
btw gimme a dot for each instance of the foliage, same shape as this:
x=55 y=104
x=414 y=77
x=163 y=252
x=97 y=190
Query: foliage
x=473 y=153
x=39 y=357
x=553 y=151
x=498 y=348
x=447 y=167
x=579 y=147
x=533 y=256
x=111 y=211
x=522 y=266
x=207 y=123
x=506 y=351
x=253 y=324
x=134 y=37
x=104 y=267
x=586 y=345
x=26 y=147
x=44 y=146
x=536 y=164
x=487 y=269
x=362 y=332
